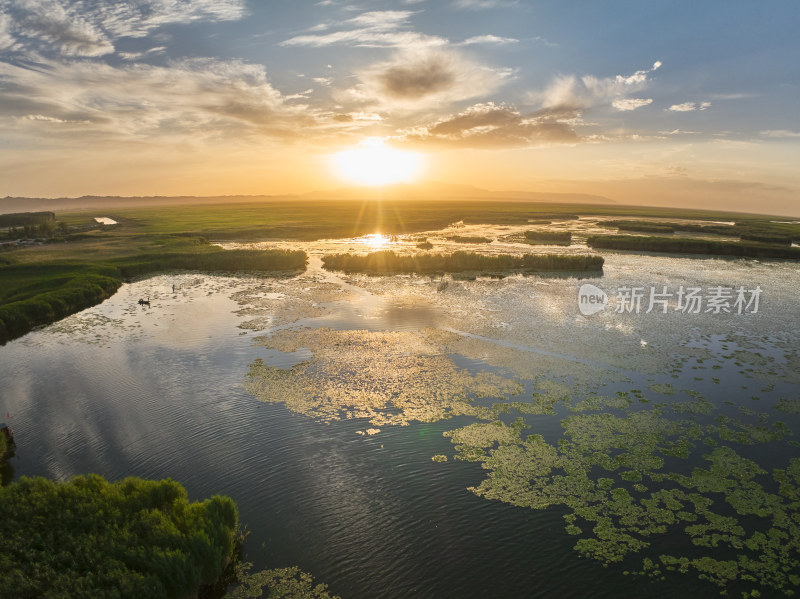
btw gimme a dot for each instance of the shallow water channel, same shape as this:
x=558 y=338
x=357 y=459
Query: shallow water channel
x=318 y=402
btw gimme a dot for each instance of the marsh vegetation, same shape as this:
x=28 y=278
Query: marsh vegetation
x=685 y=245
x=388 y=261
x=540 y=237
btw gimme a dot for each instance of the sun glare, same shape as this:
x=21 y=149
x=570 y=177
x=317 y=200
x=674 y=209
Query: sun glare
x=374 y=163
x=375 y=240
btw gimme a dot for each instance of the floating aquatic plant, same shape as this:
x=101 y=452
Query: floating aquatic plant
x=627 y=482
x=389 y=378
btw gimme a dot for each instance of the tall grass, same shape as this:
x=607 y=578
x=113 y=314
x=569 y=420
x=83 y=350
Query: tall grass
x=387 y=262
x=469 y=239
x=691 y=246
x=548 y=237
x=38 y=294
x=640 y=226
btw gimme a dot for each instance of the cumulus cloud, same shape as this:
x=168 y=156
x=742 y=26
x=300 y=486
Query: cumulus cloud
x=497 y=125
x=626 y=104
x=89 y=28
x=589 y=91
x=383 y=28
x=197 y=96
x=690 y=106
x=416 y=79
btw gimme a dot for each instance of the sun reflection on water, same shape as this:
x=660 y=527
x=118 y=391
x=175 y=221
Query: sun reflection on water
x=376 y=240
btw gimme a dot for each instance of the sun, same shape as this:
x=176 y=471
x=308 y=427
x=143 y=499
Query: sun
x=374 y=163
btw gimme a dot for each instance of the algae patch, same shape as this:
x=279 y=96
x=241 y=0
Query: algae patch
x=386 y=377
x=642 y=484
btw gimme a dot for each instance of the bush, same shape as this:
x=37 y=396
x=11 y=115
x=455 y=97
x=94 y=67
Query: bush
x=90 y=538
x=20 y=219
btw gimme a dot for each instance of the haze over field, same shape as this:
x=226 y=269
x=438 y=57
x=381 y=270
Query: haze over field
x=678 y=104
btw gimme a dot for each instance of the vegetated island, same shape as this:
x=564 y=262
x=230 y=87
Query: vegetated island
x=746 y=230
x=548 y=237
x=43 y=292
x=387 y=261
x=132 y=539
x=682 y=245
x=469 y=239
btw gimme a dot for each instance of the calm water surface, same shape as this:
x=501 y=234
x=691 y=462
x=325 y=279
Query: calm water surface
x=158 y=392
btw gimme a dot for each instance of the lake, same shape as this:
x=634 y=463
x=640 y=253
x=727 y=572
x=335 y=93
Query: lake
x=318 y=401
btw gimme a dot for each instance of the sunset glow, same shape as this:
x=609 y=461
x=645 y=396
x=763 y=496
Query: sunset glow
x=276 y=98
x=374 y=163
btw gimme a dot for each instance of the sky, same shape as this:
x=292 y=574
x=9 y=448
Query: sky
x=678 y=103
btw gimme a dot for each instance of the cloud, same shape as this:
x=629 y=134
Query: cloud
x=492 y=125
x=589 y=91
x=138 y=55
x=6 y=38
x=427 y=77
x=58 y=25
x=625 y=104
x=89 y=28
x=689 y=106
x=385 y=28
x=199 y=97
x=780 y=134
x=484 y=4
x=418 y=78
x=488 y=39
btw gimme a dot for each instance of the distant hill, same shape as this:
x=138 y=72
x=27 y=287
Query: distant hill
x=439 y=191
x=453 y=191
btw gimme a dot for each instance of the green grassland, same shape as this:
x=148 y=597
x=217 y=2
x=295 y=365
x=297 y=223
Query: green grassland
x=42 y=284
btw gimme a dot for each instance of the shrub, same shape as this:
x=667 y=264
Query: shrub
x=90 y=538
